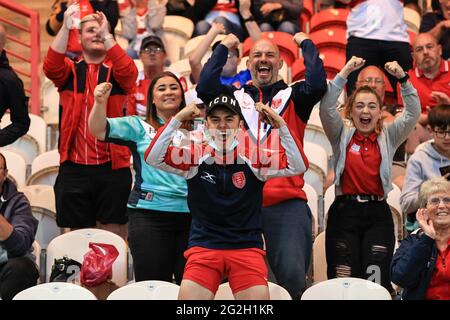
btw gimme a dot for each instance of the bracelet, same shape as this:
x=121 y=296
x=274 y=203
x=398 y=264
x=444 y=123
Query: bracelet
x=404 y=78
x=107 y=37
x=250 y=18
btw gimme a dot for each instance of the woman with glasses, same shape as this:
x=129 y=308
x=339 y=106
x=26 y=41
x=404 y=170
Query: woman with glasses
x=420 y=265
x=360 y=232
x=158 y=214
x=430 y=160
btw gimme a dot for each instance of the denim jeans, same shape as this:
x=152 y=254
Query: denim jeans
x=285 y=26
x=288 y=235
x=202 y=27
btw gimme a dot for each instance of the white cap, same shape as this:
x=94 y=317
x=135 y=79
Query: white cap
x=191 y=97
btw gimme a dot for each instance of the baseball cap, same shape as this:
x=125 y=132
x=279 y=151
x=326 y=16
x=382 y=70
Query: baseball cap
x=152 y=39
x=225 y=101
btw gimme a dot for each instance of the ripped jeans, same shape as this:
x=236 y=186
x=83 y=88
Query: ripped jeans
x=360 y=240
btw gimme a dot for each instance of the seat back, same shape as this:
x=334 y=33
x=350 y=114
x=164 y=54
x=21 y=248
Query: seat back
x=146 y=290
x=44 y=168
x=319 y=259
x=55 y=291
x=329 y=17
x=75 y=245
x=313 y=203
x=318 y=166
x=412 y=19
x=177 y=31
x=346 y=289
x=42 y=201
x=50 y=102
x=34 y=142
x=17 y=167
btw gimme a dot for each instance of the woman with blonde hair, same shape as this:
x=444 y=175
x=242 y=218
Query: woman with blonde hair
x=360 y=232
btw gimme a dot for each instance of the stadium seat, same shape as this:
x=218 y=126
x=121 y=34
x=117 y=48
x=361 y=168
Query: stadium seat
x=319 y=259
x=276 y=292
x=329 y=17
x=33 y=143
x=182 y=68
x=314 y=132
x=306 y=14
x=36 y=253
x=313 y=203
x=55 y=291
x=44 y=168
x=75 y=244
x=329 y=38
x=17 y=167
x=177 y=31
x=288 y=48
x=333 y=61
x=193 y=43
x=393 y=200
x=318 y=166
x=412 y=19
x=346 y=289
x=146 y=290
x=138 y=64
x=42 y=201
x=50 y=103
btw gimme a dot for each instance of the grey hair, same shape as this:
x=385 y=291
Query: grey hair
x=432 y=186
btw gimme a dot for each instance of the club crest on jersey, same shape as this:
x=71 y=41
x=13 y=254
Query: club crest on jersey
x=238 y=179
x=276 y=103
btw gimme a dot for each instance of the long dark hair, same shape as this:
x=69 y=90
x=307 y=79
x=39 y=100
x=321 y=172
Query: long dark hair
x=151 y=116
x=351 y=102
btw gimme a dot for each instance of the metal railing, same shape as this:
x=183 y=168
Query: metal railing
x=33 y=29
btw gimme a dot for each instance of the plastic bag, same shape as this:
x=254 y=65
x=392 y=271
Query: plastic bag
x=97 y=264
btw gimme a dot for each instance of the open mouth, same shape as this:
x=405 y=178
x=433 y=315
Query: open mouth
x=264 y=70
x=365 y=120
x=442 y=214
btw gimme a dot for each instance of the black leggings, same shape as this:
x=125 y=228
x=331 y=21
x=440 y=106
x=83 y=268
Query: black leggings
x=157 y=241
x=360 y=240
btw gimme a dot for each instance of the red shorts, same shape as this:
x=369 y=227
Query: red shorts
x=244 y=268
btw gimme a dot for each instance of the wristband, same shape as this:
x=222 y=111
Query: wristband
x=250 y=18
x=404 y=78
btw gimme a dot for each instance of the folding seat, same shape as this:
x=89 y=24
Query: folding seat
x=17 y=167
x=146 y=290
x=276 y=292
x=313 y=203
x=55 y=291
x=329 y=17
x=44 y=168
x=177 y=31
x=319 y=259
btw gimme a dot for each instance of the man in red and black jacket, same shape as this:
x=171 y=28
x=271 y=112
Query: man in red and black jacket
x=94 y=178
x=286 y=215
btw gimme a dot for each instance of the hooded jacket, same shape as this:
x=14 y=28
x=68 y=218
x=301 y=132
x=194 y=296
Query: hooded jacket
x=423 y=165
x=17 y=211
x=12 y=97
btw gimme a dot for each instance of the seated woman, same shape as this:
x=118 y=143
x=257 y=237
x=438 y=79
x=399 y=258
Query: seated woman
x=419 y=264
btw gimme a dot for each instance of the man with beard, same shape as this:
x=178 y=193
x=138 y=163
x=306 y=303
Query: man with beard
x=94 y=178
x=286 y=215
x=431 y=78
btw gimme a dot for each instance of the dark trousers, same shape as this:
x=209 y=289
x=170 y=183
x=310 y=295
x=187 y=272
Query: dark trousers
x=157 y=241
x=16 y=275
x=360 y=240
x=288 y=237
x=378 y=52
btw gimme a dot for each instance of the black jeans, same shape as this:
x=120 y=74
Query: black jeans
x=378 y=52
x=16 y=275
x=157 y=241
x=360 y=240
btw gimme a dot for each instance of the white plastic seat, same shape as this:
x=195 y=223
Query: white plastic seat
x=44 y=168
x=314 y=132
x=55 y=291
x=34 y=142
x=177 y=31
x=276 y=292
x=146 y=290
x=182 y=68
x=139 y=65
x=50 y=102
x=319 y=259
x=37 y=253
x=17 y=167
x=412 y=19
x=346 y=289
x=313 y=203
x=42 y=201
x=75 y=244
x=318 y=166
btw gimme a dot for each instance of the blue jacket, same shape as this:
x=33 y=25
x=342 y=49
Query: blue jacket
x=413 y=265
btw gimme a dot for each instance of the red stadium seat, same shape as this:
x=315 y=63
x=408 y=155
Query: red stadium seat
x=333 y=61
x=329 y=17
x=326 y=38
x=306 y=14
x=284 y=41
